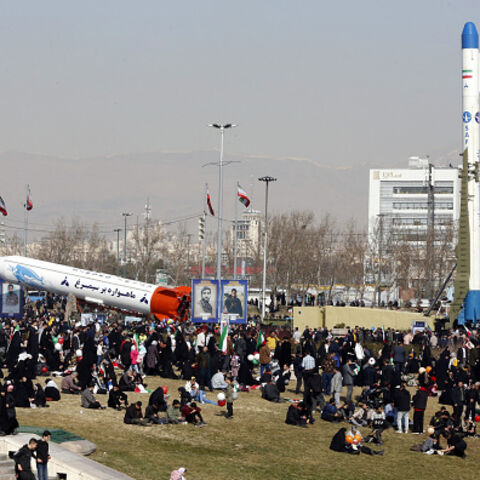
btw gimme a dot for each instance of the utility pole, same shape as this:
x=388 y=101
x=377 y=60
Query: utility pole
x=430 y=240
x=380 y=258
x=125 y=216
x=266 y=180
x=117 y=231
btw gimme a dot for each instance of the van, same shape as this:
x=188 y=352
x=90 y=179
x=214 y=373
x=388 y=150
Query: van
x=35 y=295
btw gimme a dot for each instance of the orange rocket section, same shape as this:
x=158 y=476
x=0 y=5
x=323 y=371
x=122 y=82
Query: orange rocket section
x=171 y=302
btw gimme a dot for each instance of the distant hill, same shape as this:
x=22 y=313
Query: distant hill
x=101 y=188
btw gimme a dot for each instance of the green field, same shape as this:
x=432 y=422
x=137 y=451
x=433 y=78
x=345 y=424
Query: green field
x=256 y=444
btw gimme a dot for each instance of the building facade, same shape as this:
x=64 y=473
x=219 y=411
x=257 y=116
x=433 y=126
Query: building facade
x=400 y=202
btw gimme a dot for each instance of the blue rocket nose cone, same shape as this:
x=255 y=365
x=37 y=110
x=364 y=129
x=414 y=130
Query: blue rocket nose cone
x=469 y=36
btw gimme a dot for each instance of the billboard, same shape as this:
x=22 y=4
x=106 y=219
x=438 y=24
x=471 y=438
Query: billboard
x=210 y=303
x=234 y=300
x=205 y=294
x=11 y=303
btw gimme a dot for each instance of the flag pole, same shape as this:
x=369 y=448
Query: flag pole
x=235 y=238
x=25 y=223
x=204 y=240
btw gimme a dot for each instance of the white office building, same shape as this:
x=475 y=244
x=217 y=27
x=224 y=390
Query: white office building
x=399 y=198
x=249 y=231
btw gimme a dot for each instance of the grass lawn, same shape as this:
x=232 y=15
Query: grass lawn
x=256 y=444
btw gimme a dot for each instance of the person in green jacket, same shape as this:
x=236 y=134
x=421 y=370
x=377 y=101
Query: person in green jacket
x=173 y=413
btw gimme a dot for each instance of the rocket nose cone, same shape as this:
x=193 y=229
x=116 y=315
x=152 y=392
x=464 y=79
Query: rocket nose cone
x=469 y=36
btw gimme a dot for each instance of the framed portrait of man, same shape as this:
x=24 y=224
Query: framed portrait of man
x=12 y=300
x=204 y=300
x=234 y=300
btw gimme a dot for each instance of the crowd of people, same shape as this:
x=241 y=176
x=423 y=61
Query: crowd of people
x=396 y=374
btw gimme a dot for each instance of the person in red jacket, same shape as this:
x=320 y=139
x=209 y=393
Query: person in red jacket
x=191 y=413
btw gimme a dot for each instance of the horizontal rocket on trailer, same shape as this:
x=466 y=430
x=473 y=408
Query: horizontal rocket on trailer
x=97 y=288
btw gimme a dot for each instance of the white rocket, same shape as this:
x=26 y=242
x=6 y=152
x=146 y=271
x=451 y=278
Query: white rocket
x=96 y=288
x=471 y=144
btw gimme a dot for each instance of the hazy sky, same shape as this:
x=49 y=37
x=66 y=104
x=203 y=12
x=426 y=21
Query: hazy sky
x=340 y=83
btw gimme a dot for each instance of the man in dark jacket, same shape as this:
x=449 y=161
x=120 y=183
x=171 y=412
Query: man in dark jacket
x=134 y=415
x=297 y=415
x=399 y=357
x=458 y=398
x=402 y=403
x=117 y=399
x=419 y=406
x=23 y=457
x=270 y=392
x=42 y=456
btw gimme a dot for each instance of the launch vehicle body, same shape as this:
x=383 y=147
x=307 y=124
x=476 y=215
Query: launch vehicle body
x=96 y=288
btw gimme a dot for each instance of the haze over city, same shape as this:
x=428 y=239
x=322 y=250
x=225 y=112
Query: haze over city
x=106 y=104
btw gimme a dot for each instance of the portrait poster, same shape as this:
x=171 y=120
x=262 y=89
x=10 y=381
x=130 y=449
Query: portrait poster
x=204 y=300
x=234 y=300
x=11 y=300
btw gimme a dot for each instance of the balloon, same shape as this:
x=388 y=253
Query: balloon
x=250 y=358
x=165 y=390
x=44 y=369
x=255 y=361
x=349 y=439
x=357 y=439
x=221 y=396
x=257 y=356
x=58 y=347
x=477 y=418
x=78 y=353
x=221 y=403
x=60 y=340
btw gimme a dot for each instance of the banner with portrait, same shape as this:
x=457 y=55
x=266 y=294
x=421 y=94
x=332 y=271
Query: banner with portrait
x=11 y=303
x=205 y=295
x=234 y=300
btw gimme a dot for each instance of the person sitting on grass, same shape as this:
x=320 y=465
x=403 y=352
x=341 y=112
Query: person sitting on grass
x=330 y=412
x=218 y=381
x=69 y=384
x=174 y=415
x=134 y=415
x=152 y=414
x=270 y=392
x=158 y=397
x=193 y=389
x=191 y=413
x=297 y=415
x=52 y=392
x=379 y=424
x=117 y=399
x=428 y=446
x=456 y=445
x=89 y=400
x=360 y=416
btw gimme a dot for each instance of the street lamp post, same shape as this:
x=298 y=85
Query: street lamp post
x=222 y=128
x=125 y=215
x=117 y=231
x=267 y=180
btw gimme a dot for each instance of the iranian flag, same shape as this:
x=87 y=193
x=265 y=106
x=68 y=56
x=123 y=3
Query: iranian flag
x=242 y=196
x=223 y=335
x=261 y=339
x=28 y=200
x=3 y=208
x=209 y=203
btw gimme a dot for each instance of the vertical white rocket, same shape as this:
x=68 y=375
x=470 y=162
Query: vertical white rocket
x=471 y=143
